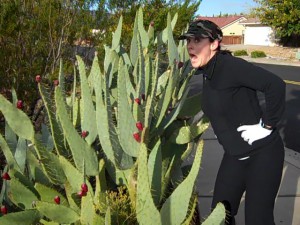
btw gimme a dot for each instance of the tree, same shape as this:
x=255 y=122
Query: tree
x=155 y=11
x=283 y=16
x=34 y=35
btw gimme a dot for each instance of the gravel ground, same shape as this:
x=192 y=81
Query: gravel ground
x=277 y=52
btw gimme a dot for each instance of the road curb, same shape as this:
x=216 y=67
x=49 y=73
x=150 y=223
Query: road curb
x=292 y=157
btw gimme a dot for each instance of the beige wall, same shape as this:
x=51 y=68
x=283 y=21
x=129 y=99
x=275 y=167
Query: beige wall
x=235 y=28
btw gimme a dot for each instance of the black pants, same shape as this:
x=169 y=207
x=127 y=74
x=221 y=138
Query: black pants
x=259 y=176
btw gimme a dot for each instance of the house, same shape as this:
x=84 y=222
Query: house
x=256 y=33
x=231 y=27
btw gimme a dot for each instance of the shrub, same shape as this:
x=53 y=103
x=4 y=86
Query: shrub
x=240 y=52
x=258 y=54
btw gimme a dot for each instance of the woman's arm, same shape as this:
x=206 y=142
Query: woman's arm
x=251 y=76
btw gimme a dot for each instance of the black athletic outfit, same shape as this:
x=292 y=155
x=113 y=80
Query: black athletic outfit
x=229 y=100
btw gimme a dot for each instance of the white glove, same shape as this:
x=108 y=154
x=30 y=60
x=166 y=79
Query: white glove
x=254 y=132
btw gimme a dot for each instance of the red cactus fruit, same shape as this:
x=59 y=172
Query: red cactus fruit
x=152 y=23
x=139 y=125
x=5 y=176
x=56 y=82
x=3 y=210
x=137 y=137
x=84 y=188
x=57 y=200
x=81 y=193
x=38 y=78
x=20 y=104
x=143 y=97
x=138 y=101
x=84 y=134
x=179 y=64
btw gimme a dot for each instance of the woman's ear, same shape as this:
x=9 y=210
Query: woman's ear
x=214 y=45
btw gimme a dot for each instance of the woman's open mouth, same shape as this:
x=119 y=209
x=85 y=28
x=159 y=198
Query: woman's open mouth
x=193 y=57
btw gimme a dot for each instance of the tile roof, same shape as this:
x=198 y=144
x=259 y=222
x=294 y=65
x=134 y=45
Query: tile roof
x=251 y=21
x=221 y=21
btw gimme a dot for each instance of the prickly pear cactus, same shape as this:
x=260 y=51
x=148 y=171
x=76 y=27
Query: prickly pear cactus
x=109 y=154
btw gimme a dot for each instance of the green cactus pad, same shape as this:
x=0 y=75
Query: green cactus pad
x=186 y=134
x=75 y=100
x=146 y=210
x=10 y=159
x=167 y=96
x=117 y=35
x=165 y=31
x=72 y=197
x=75 y=112
x=18 y=121
x=27 y=217
x=45 y=222
x=98 y=220
x=149 y=109
x=11 y=138
x=151 y=33
x=134 y=42
x=81 y=151
x=35 y=169
x=192 y=209
x=88 y=212
x=141 y=28
x=173 y=115
x=126 y=122
x=61 y=78
x=155 y=172
x=21 y=152
x=21 y=193
x=101 y=186
x=148 y=75
x=87 y=109
x=108 y=217
x=57 y=213
x=130 y=89
x=74 y=176
x=49 y=163
x=186 y=78
x=102 y=119
x=141 y=69
x=57 y=134
x=172 y=48
x=106 y=127
x=162 y=82
x=217 y=216
x=48 y=194
x=175 y=209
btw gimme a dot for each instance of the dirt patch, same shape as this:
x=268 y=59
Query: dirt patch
x=284 y=53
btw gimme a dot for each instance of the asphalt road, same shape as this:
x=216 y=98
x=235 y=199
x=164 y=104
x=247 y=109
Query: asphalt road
x=289 y=126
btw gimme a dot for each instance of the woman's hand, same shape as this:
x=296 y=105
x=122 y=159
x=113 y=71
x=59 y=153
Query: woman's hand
x=251 y=133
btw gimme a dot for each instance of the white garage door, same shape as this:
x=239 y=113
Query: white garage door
x=258 y=36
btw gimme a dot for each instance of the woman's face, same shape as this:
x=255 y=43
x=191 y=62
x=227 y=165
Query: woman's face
x=200 y=50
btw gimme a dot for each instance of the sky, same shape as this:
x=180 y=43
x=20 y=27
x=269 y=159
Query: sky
x=214 y=7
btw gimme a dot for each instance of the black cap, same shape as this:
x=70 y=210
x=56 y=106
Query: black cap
x=203 y=29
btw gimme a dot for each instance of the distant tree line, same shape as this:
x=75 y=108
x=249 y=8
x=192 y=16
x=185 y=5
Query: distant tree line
x=35 y=35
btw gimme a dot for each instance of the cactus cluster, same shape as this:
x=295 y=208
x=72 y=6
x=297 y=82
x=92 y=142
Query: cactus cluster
x=131 y=126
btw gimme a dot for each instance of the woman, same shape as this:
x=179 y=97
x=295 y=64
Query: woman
x=253 y=149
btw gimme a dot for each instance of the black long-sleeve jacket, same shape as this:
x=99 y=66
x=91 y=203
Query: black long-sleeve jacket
x=229 y=100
